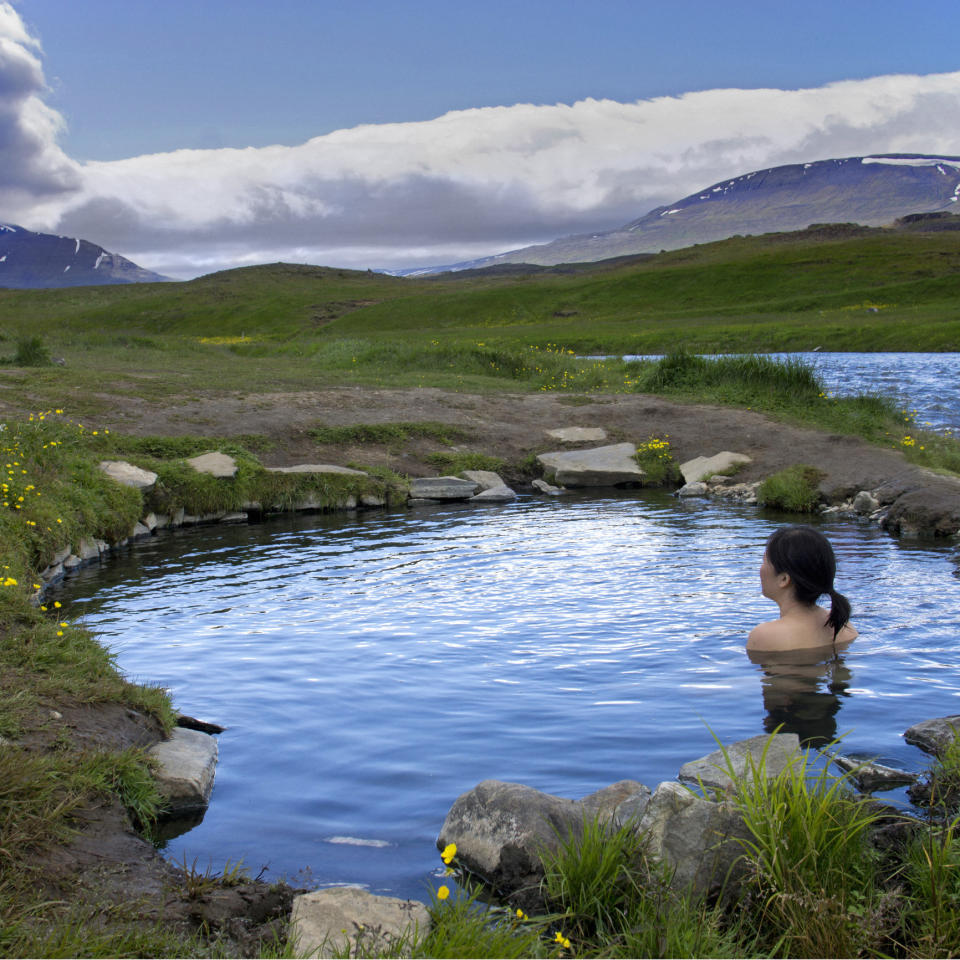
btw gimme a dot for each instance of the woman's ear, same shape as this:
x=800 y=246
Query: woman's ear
x=783 y=580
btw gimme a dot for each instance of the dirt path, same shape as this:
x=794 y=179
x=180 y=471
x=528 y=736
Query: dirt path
x=512 y=426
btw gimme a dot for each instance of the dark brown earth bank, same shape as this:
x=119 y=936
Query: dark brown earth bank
x=111 y=871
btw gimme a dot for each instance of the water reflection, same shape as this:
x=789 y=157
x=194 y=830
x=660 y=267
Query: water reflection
x=802 y=691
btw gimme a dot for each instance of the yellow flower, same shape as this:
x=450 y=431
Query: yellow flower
x=57 y=604
x=521 y=915
x=443 y=892
x=449 y=852
x=562 y=940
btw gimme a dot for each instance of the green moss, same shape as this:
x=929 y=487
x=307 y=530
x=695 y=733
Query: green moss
x=453 y=463
x=794 y=489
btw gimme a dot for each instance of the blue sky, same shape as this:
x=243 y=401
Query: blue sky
x=426 y=132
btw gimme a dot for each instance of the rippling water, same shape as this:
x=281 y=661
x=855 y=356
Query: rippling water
x=372 y=668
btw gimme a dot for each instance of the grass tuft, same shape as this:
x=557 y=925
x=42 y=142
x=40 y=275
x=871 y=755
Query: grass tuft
x=794 y=489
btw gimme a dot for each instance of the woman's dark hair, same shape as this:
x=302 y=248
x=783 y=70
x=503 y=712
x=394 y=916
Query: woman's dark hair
x=806 y=555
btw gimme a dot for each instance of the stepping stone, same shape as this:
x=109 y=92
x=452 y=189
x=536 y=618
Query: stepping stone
x=700 y=467
x=443 y=488
x=577 y=434
x=218 y=465
x=187 y=764
x=128 y=474
x=597 y=467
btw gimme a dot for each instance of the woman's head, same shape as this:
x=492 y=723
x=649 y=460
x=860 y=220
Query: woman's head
x=806 y=556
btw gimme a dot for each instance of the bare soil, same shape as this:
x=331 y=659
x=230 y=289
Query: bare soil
x=109 y=863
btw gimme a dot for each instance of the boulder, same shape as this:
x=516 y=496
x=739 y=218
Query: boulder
x=372 y=500
x=128 y=475
x=597 y=467
x=443 y=488
x=933 y=736
x=870 y=776
x=187 y=763
x=317 y=468
x=237 y=516
x=547 y=488
x=348 y=921
x=492 y=487
x=139 y=531
x=744 y=758
x=696 y=488
x=697 y=839
x=219 y=465
x=619 y=803
x=865 y=503
x=700 y=467
x=500 y=830
x=578 y=434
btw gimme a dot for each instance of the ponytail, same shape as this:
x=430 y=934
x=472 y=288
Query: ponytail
x=839 y=612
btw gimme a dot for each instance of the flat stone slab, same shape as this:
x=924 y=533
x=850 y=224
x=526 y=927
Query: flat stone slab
x=317 y=468
x=577 y=434
x=187 y=763
x=501 y=494
x=597 y=467
x=870 y=776
x=443 y=488
x=700 y=467
x=933 y=736
x=711 y=770
x=348 y=921
x=128 y=474
x=218 y=465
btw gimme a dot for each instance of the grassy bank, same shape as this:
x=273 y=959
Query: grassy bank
x=54 y=496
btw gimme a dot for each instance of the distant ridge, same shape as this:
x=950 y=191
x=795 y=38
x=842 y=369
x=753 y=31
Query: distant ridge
x=874 y=191
x=43 y=260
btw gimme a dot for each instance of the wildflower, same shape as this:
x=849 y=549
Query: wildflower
x=449 y=852
x=9 y=582
x=57 y=604
x=59 y=633
x=443 y=892
x=562 y=940
x=521 y=915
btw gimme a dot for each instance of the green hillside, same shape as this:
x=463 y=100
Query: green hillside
x=871 y=290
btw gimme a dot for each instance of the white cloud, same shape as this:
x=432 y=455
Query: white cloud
x=465 y=184
x=32 y=165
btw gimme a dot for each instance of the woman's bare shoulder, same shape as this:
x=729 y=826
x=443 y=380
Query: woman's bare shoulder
x=766 y=636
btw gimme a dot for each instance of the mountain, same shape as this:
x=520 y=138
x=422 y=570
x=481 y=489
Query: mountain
x=873 y=191
x=29 y=259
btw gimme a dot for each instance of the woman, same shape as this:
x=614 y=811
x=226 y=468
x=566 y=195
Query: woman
x=798 y=568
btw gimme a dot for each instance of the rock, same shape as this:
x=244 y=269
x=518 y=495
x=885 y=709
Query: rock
x=870 y=776
x=487 y=479
x=443 y=488
x=317 y=468
x=695 y=489
x=72 y=562
x=150 y=521
x=218 y=465
x=548 y=488
x=51 y=573
x=187 y=764
x=176 y=520
x=128 y=474
x=501 y=494
x=139 y=531
x=619 y=803
x=933 y=736
x=577 y=434
x=372 y=500
x=348 y=921
x=700 y=467
x=597 y=467
x=696 y=838
x=61 y=555
x=500 y=828
x=744 y=757
x=237 y=516
x=87 y=549
x=865 y=503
